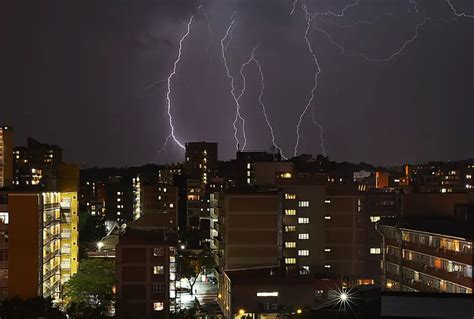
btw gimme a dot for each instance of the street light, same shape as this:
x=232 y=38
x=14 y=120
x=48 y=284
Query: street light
x=343 y=297
x=241 y=312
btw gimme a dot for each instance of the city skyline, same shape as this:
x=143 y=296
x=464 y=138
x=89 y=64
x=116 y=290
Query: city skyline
x=98 y=67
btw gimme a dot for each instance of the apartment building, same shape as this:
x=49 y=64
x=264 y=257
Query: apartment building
x=41 y=253
x=201 y=160
x=245 y=229
x=427 y=255
x=146 y=274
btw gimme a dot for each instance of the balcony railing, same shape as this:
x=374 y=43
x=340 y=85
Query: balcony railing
x=441 y=253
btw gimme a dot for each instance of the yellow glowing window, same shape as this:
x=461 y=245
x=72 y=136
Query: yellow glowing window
x=290 y=196
x=290 y=228
x=290 y=244
x=285 y=175
x=158 y=306
x=290 y=261
x=290 y=212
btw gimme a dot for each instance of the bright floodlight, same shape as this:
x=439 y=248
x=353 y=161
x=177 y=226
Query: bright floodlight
x=100 y=245
x=343 y=296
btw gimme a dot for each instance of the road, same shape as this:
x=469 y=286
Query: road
x=205 y=292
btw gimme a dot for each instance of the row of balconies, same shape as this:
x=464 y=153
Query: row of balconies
x=441 y=253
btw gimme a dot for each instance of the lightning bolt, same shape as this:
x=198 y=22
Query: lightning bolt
x=260 y=97
x=321 y=130
x=294 y=7
x=238 y=115
x=455 y=12
x=168 y=93
x=309 y=20
x=343 y=10
x=209 y=28
x=364 y=56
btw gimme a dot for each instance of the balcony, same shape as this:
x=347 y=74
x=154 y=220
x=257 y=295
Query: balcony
x=441 y=253
x=454 y=277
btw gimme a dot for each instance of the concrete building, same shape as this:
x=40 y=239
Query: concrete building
x=244 y=165
x=42 y=243
x=267 y=173
x=201 y=160
x=6 y=156
x=427 y=255
x=246 y=229
x=35 y=164
x=271 y=292
x=146 y=274
x=159 y=200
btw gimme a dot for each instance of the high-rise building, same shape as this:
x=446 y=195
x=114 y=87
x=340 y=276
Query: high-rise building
x=201 y=160
x=6 y=156
x=159 y=200
x=35 y=164
x=245 y=228
x=42 y=243
x=244 y=170
x=146 y=274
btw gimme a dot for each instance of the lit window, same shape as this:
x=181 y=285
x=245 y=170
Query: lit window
x=4 y=218
x=267 y=294
x=248 y=180
x=164 y=190
x=327 y=201
x=158 y=288
x=171 y=205
x=119 y=199
x=374 y=219
x=118 y=213
x=158 y=306
x=303 y=236
x=285 y=175
x=248 y=165
x=327 y=217
x=304 y=252
x=306 y=268
x=290 y=212
x=158 y=270
x=248 y=173
x=290 y=244
x=468 y=176
x=303 y=220
x=290 y=261
x=328 y=250
x=303 y=203
x=290 y=228
x=290 y=196
x=375 y=251
x=327 y=266
x=118 y=193
x=158 y=252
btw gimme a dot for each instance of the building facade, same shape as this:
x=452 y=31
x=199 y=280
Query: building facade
x=201 y=160
x=427 y=255
x=146 y=274
x=6 y=156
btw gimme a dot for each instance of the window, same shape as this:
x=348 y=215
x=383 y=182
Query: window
x=158 y=306
x=4 y=218
x=375 y=251
x=290 y=212
x=290 y=228
x=327 y=201
x=304 y=252
x=327 y=217
x=290 y=244
x=327 y=266
x=303 y=203
x=290 y=196
x=303 y=220
x=158 y=252
x=267 y=294
x=290 y=261
x=158 y=270
x=374 y=219
x=171 y=205
x=303 y=236
x=158 y=288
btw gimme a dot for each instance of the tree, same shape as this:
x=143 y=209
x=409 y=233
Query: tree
x=30 y=308
x=190 y=265
x=91 y=289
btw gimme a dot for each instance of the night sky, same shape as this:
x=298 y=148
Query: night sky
x=78 y=74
